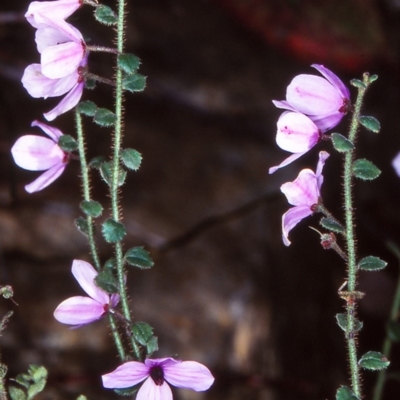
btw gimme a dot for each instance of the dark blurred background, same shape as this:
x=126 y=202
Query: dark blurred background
x=225 y=291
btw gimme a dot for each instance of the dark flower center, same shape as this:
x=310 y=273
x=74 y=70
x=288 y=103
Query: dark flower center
x=157 y=374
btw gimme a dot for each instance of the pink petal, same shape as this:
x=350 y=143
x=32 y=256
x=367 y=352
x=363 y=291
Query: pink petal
x=78 y=311
x=326 y=122
x=61 y=60
x=303 y=191
x=313 y=95
x=291 y=218
x=51 y=131
x=151 y=391
x=36 y=153
x=85 y=274
x=189 y=375
x=126 y=375
x=46 y=178
x=396 y=164
x=296 y=132
x=323 y=156
x=285 y=162
x=67 y=103
x=333 y=79
x=60 y=9
x=283 y=104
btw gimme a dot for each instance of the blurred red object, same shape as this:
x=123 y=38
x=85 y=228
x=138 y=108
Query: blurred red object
x=345 y=34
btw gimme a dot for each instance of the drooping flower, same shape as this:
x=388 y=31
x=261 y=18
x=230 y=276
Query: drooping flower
x=324 y=100
x=157 y=372
x=296 y=134
x=57 y=9
x=80 y=310
x=303 y=193
x=396 y=164
x=37 y=153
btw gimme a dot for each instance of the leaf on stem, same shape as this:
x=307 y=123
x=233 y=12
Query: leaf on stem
x=372 y=263
x=131 y=158
x=370 y=123
x=87 y=108
x=331 y=225
x=358 y=84
x=106 y=171
x=138 y=257
x=341 y=143
x=342 y=322
x=129 y=63
x=373 y=360
x=67 y=143
x=365 y=169
x=345 y=393
x=113 y=231
x=105 y=15
x=106 y=280
x=104 y=117
x=91 y=208
x=82 y=225
x=134 y=83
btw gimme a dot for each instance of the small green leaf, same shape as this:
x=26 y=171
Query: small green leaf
x=106 y=280
x=138 y=257
x=67 y=143
x=16 y=393
x=104 y=117
x=358 y=84
x=371 y=263
x=134 y=83
x=37 y=372
x=106 y=173
x=91 y=208
x=365 y=169
x=345 y=393
x=131 y=158
x=342 y=322
x=142 y=332
x=393 y=331
x=341 y=143
x=152 y=345
x=110 y=263
x=113 y=231
x=373 y=360
x=332 y=225
x=371 y=123
x=96 y=162
x=87 y=108
x=372 y=78
x=82 y=225
x=131 y=391
x=129 y=63
x=105 y=15
x=90 y=83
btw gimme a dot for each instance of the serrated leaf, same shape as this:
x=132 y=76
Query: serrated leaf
x=91 y=208
x=365 y=169
x=142 y=332
x=371 y=123
x=16 y=393
x=152 y=345
x=341 y=143
x=67 y=143
x=373 y=360
x=345 y=393
x=138 y=257
x=131 y=159
x=105 y=15
x=372 y=263
x=113 y=231
x=104 y=117
x=106 y=173
x=82 y=225
x=358 y=84
x=129 y=63
x=96 y=162
x=107 y=281
x=341 y=320
x=393 y=331
x=134 y=83
x=331 y=225
x=87 y=108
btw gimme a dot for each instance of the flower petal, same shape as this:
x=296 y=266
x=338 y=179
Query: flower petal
x=323 y=156
x=126 y=375
x=285 y=162
x=326 y=122
x=283 y=104
x=291 y=218
x=333 y=79
x=36 y=153
x=67 y=103
x=46 y=178
x=188 y=374
x=50 y=131
x=396 y=164
x=151 y=391
x=296 y=132
x=85 y=274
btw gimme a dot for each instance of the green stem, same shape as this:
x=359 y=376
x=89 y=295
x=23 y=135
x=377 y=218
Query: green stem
x=351 y=244
x=117 y=338
x=117 y=141
x=86 y=186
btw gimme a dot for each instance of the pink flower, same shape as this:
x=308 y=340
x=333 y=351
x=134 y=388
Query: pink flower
x=37 y=153
x=59 y=10
x=297 y=134
x=157 y=372
x=303 y=194
x=324 y=100
x=396 y=164
x=81 y=310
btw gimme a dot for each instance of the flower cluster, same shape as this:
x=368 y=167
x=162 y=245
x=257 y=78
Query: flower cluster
x=63 y=55
x=313 y=106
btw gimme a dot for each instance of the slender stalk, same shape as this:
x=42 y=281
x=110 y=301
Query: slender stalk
x=351 y=335
x=89 y=220
x=117 y=142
